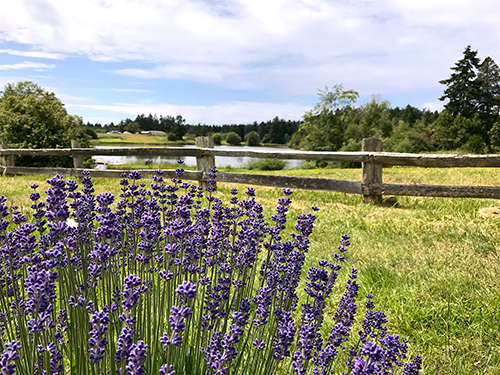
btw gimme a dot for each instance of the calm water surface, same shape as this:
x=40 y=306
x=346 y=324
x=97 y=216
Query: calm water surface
x=221 y=161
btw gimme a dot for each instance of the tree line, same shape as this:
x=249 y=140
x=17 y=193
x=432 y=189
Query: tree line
x=277 y=131
x=30 y=117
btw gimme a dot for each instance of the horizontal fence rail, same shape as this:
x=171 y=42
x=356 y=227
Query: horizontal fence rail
x=372 y=158
x=385 y=158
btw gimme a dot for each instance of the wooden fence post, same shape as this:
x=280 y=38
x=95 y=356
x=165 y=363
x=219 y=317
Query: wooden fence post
x=204 y=163
x=7 y=160
x=372 y=173
x=77 y=160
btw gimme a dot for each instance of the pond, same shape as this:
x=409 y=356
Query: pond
x=220 y=161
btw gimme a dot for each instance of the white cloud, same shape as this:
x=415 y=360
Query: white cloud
x=288 y=47
x=224 y=113
x=34 y=54
x=26 y=65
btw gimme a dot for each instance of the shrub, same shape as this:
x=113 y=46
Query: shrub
x=190 y=136
x=168 y=281
x=266 y=138
x=91 y=133
x=171 y=137
x=252 y=139
x=233 y=139
x=265 y=164
x=217 y=138
x=475 y=145
x=308 y=164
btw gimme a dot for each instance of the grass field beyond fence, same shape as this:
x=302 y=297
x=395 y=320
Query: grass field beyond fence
x=432 y=263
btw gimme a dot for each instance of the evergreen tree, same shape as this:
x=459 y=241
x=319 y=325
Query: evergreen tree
x=489 y=87
x=463 y=88
x=473 y=91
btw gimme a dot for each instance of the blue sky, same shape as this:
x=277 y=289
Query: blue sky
x=238 y=61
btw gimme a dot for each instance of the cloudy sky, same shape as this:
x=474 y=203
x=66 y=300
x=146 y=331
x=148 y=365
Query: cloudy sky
x=237 y=61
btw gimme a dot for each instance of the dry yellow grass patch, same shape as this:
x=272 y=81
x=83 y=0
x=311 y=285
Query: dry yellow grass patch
x=489 y=212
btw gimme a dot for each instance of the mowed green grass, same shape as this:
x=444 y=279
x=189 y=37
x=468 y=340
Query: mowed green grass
x=432 y=263
x=137 y=139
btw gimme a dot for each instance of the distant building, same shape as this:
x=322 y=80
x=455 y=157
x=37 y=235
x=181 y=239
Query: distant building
x=114 y=132
x=153 y=132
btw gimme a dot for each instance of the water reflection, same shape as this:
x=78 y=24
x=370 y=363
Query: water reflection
x=221 y=161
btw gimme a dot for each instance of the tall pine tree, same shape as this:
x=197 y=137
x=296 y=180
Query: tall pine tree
x=473 y=91
x=463 y=88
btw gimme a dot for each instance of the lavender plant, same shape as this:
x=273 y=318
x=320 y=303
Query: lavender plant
x=167 y=279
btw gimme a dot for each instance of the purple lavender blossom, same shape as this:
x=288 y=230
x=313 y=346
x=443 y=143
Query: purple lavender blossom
x=187 y=290
x=286 y=335
x=123 y=344
x=167 y=370
x=135 y=359
x=412 y=368
x=8 y=356
x=132 y=290
x=165 y=234
x=97 y=342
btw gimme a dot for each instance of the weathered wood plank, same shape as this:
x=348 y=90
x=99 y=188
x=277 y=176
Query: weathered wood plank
x=205 y=162
x=77 y=160
x=290 y=155
x=146 y=173
x=350 y=187
x=438 y=191
x=6 y=160
x=122 y=151
x=371 y=172
x=140 y=151
x=37 y=151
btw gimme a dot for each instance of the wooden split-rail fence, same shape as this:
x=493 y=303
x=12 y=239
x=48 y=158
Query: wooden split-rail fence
x=372 y=159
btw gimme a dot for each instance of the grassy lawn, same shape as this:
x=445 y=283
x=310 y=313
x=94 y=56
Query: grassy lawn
x=432 y=263
x=138 y=139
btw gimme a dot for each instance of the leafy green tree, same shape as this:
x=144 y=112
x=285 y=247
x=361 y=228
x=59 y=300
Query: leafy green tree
x=179 y=128
x=252 y=139
x=132 y=127
x=495 y=136
x=30 y=117
x=451 y=133
x=91 y=132
x=409 y=138
x=475 y=145
x=335 y=98
x=324 y=126
x=233 y=139
x=375 y=119
x=22 y=90
x=217 y=138
x=322 y=132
